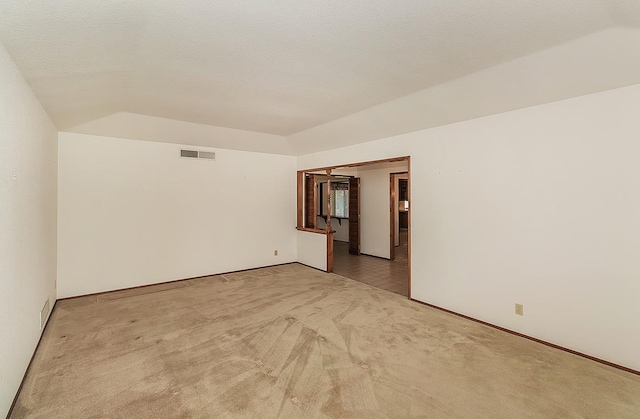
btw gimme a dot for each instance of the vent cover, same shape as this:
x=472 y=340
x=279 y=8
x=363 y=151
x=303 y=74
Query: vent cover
x=207 y=155
x=194 y=154
x=189 y=153
x=43 y=314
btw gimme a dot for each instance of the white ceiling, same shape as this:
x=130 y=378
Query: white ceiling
x=276 y=66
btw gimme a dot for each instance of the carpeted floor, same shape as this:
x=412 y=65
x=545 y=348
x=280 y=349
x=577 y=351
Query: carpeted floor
x=294 y=342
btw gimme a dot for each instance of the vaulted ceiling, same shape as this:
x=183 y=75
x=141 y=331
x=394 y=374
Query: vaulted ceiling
x=277 y=66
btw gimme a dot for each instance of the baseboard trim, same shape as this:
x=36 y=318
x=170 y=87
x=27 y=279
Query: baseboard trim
x=309 y=266
x=173 y=281
x=24 y=377
x=552 y=345
x=377 y=257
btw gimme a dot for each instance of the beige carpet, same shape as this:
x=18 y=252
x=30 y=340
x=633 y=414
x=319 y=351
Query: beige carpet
x=294 y=342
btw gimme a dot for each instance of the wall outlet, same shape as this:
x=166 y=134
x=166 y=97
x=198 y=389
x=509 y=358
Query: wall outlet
x=519 y=309
x=275 y=252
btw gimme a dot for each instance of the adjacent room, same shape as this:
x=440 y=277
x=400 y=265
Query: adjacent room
x=368 y=221
x=338 y=209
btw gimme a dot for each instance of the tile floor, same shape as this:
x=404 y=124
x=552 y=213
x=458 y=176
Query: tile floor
x=381 y=273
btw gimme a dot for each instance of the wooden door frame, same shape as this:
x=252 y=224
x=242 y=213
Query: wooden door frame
x=409 y=226
x=359 y=236
x=300 y=221
x=392 y=216
x=394 y=179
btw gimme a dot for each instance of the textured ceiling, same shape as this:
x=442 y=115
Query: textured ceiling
x=276 y=66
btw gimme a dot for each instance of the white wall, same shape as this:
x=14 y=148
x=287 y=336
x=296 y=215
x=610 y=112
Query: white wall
x=133 y=213
x=28 y=161
x=152 y=128
x=537 y=206
x=375 y=219
x=312 y=249
x=341 y=228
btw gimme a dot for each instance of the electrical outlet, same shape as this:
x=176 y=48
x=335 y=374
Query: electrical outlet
x=519 y=309
x=275 y=252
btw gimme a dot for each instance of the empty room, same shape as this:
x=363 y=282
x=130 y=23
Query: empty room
x=319 y=209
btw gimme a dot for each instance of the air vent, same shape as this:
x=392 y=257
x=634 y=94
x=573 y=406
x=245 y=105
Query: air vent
x=207 y=155
x=194 y=154
x=189 y=153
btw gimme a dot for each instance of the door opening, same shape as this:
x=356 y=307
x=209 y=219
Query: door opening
x=368 y=240
x=398 y=212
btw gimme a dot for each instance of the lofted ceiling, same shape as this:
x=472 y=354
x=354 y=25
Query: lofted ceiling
x=279 y=66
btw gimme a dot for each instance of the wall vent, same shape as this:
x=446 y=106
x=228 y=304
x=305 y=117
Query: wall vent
x=189 y=153
x=194 y=154
x=207 y=155
x=43 y=314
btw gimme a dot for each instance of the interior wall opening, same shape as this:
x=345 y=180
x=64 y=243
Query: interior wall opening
x=363 y=210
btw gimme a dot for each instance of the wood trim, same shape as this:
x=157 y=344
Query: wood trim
x=409 y=226
x=392 y=216
x=24 y=377
x=374 y=256
x=328 y=194
x=389 y=160
x=330 y=252
x=315 y=201
x=552 y=345
x=313 y=230
x=310 y=200
x=329 y=229
x=339 y=177
x=394 y=179
x=300 y=198
x=355 y=224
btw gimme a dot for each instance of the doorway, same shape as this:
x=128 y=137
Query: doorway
x=399 y=215
x=361 y=227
